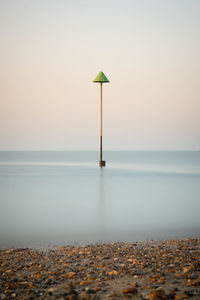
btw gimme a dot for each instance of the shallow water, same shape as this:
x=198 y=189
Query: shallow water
x=53 y=198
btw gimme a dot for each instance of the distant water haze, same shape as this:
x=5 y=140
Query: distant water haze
x=54 y=198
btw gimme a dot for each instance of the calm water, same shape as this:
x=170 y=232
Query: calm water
x=53 y=198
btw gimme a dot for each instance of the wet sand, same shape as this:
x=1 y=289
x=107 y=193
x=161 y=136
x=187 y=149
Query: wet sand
x=151 y=270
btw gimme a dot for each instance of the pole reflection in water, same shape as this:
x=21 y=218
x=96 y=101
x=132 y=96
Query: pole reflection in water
x=101 y=207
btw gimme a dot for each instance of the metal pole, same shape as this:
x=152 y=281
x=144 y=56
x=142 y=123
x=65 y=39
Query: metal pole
x=102 y=163
x=100 y=78
x=101 y=122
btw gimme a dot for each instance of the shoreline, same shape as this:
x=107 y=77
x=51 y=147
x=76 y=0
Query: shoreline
x=166 y=269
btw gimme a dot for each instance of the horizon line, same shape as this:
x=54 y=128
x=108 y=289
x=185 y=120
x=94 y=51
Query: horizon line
x=113 y=150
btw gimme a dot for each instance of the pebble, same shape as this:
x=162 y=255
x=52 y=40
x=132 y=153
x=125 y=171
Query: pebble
x=152 y=270
x=131 y=290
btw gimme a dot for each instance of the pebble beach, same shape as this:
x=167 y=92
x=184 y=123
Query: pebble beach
x=167 y=269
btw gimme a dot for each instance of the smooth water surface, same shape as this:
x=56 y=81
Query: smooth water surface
x=54 y=198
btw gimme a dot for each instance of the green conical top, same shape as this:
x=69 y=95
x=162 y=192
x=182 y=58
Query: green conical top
x=101 y=77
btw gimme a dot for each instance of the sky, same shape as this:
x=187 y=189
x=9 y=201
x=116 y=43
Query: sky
x=51 y=50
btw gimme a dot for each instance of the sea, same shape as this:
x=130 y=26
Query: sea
x=53 y=198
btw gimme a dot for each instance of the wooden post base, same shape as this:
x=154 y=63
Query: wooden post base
x=102 y=163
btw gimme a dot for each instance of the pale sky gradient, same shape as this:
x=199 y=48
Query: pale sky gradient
x=51 y=50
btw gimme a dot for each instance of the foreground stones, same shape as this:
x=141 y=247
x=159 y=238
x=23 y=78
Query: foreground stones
x=152 y=270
